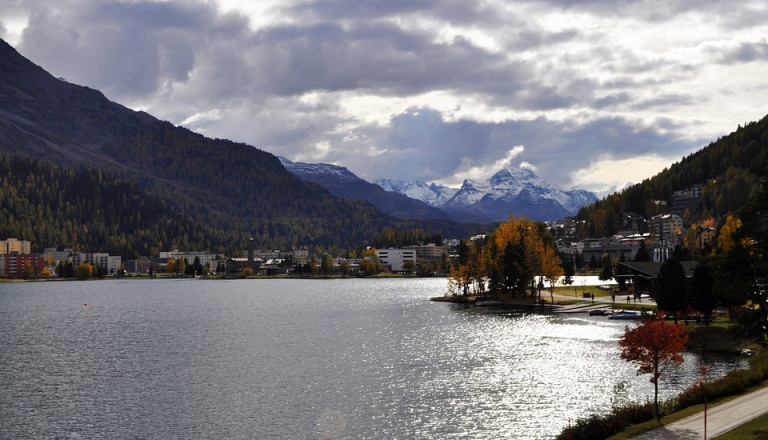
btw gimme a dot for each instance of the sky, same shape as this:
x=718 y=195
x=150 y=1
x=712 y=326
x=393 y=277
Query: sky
x=590 y=94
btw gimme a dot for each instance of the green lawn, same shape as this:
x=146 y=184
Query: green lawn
x=755 y=430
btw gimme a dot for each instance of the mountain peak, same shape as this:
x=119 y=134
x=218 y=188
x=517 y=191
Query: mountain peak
x=518 y=191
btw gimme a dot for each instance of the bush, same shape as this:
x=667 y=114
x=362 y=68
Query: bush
x=596 y=427
x=732 y=383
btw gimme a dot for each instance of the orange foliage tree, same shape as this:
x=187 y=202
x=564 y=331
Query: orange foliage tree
x=507 y=260
x=653 y=347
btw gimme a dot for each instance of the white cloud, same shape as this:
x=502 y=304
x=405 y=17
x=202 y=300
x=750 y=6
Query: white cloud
x=608 y=174
x=435 y=91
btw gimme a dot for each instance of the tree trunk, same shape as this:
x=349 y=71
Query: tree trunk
x=656 y=399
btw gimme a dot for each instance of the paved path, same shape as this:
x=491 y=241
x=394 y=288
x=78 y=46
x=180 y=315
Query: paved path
x=600 y=300
x=720 y=419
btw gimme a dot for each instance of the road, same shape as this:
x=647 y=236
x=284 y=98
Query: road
x=720 y=419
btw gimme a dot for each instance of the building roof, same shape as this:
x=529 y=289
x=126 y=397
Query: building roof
x=650 y=269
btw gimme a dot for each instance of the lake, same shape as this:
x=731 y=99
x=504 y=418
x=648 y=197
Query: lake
x=301 y=359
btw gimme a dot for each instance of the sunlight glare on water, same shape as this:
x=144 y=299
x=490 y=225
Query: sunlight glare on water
x=300 y=359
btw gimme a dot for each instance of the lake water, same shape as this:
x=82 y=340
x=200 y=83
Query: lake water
x=300 y=359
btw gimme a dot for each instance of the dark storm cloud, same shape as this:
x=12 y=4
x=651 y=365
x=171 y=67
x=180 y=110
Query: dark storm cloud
x=128 y=49
x=384 y=59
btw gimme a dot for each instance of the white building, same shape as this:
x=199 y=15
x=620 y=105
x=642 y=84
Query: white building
x=110 y=265
x=206 y=259
x=395 y=259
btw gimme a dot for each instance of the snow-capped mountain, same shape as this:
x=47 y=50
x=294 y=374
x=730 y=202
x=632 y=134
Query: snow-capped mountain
x=344 y=184
x=319 y=171
x=430 y=193
x=519 y=192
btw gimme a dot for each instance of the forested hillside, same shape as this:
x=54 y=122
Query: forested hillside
x=89 y=211
x=224 y=185
x=723 y=167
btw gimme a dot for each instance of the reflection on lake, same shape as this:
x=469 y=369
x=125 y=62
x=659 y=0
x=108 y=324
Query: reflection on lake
x=300 y=359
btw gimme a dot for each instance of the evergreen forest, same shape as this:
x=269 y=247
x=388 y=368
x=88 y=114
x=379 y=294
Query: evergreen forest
x=89 y=210
x=723 y=168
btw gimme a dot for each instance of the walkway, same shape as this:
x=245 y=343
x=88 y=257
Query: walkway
x=600 y=300
x=720 y=419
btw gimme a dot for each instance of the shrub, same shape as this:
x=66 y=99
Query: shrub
x=597 y=427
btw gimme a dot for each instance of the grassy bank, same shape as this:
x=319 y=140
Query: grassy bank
x=755 y=430
x=625 y=422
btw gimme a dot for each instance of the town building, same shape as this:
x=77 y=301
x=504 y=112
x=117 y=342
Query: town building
x=396 y=259
x=11 y=245
x=593 y=249
x=56 y=255
x=206 y=259
x=632 y=223
x=14 y=264
x=686 y=200
x=107 y=264
x=667 y=228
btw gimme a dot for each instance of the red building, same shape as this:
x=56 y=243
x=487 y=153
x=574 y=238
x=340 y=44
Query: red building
x=13 y=264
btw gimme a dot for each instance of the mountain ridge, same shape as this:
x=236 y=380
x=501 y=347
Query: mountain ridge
x=231 y=186
x=520 y=192
x=342 y=183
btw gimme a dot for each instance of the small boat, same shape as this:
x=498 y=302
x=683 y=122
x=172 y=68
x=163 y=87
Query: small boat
x=629 y=315
x=599 y=312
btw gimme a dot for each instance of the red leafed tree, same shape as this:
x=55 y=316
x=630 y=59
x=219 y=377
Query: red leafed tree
x=653 y=347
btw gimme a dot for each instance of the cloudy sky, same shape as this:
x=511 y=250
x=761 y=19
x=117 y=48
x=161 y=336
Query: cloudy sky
x=591 y=94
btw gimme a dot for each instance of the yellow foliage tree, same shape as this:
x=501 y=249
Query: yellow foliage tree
x=725 y=240
x=509 y=259
x=83 y=271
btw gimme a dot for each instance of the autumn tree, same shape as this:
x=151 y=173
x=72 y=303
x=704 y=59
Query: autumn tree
x=733 y=267
x=654 y=346
x=551 y=270
x=28 y=271
x=181 y=265
x=509 y=260
x=170 y=266
x=326 y=264
x=345 y=268
x=83 y=271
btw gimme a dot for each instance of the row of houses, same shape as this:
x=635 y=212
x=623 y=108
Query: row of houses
x=665 y=233
x=17 y=260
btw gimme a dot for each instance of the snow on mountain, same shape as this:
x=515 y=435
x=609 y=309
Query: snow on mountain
x=342 y=183
x=519 y=191
x=318 y=170
x=429 y=193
